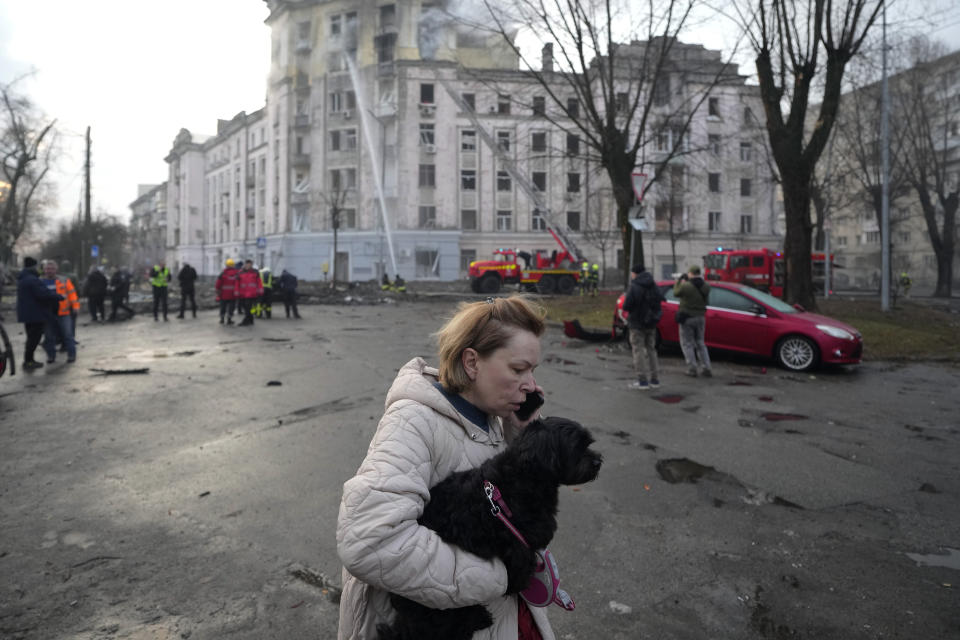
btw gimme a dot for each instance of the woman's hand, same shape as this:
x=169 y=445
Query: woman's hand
x=516 y=423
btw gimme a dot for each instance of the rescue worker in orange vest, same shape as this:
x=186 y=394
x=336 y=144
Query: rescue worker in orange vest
x=227 y=291
x=62 y=327
x=249 y=289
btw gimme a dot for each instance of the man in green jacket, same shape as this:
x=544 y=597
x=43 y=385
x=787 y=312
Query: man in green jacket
x=692 y=292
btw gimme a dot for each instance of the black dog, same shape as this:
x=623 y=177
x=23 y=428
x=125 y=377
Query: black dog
x=548 y=453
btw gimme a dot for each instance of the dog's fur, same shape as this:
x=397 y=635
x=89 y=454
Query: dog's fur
x=548 y=453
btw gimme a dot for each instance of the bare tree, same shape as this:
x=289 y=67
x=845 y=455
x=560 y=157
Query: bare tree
x=798 y=42
x=931 y=110
x=335 y=200
x=618 y=98
x=601 y=229
x=26 y=148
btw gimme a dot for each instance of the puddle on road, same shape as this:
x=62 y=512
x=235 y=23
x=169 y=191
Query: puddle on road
x=950 y=559
x=780 y=417
x=677 y=470
x=669 y=399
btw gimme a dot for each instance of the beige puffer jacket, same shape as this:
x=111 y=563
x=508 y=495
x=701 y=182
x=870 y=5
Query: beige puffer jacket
x=420 y=440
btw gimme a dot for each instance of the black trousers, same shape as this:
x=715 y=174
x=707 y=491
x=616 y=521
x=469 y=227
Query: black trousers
x=183 y=302
x=159 y=300
x=290 y=301
x=226 y=309
x=116 y=302
x=95 y=303
x=246 y=308
x=34 y=331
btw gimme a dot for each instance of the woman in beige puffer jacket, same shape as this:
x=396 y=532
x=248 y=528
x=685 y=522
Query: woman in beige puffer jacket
x=428 y=432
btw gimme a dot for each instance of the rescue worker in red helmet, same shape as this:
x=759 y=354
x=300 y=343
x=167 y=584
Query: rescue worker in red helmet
x=249 y=290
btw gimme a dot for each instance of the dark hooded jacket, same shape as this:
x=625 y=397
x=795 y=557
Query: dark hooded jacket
x=643 y=302
x=35 y=302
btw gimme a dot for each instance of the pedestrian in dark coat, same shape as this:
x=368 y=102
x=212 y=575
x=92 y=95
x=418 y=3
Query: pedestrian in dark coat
x=36 y=305
x=187 y=277
x=288 y=285
x=119 y=290
x=643 y=304
x=95 y=289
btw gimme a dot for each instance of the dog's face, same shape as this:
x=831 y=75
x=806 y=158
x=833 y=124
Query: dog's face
x=560 y=447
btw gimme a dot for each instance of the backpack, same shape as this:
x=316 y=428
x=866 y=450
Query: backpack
x=651 y=308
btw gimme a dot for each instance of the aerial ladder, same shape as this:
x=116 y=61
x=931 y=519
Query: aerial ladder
x=506 y=163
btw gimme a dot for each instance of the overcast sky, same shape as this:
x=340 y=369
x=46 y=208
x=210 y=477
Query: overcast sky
x=136 y=71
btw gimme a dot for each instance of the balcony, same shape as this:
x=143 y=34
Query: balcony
x=303 y=46
x=301 y=121
x=251 y=180
x=300 y=159
x=299 y=198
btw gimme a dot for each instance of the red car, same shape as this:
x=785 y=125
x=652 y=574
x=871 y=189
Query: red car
x=745 y=320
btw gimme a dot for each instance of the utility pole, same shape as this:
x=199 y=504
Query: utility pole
x=885 y=197
x=85 y=232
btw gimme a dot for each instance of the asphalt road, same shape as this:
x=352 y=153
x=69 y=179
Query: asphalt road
x=197 y=501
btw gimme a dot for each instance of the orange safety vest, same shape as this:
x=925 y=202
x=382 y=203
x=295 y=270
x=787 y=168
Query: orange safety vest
x=70 y=299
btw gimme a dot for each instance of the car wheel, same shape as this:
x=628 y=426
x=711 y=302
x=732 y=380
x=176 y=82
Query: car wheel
x=797 y=353
x=566 y=285
x=489 y=283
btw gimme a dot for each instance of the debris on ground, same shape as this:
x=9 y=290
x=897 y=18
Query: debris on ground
x=120 y=372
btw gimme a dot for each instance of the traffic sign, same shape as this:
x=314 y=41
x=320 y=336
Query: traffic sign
x=261 y=242
x=95 y=251
x=638 y=179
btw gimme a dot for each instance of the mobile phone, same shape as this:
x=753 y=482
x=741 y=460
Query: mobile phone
x=533 y=402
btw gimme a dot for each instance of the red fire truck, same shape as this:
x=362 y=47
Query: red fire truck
x=763 y=269
x=544 y=271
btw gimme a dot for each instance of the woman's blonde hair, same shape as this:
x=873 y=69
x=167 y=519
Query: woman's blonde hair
x=484 y=327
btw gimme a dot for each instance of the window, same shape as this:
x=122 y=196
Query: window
x=573 y=107
x=757 y=261
x=539 y=105
x=748 y=116
x=468 y=140
x=726 y=299
x=428 y=175
x=334 y=25
x=428 y=261
x=746 y=224
x=746 y=151
x=538 y=141
x=503 y=104
x=904 y=237
x=573 y=144
x=540 y=180
x=873 y=237
x=303 y=31
x=713 y=107
x=745 y=187
x=504 y=220
x=468 y=180
x=713 y=144
x=713 y=221
x=466 y=257
x=351 y=99
x=347 y=219
x=713 y=182
x=842 y=241
x=388 y=15
x=335 y=180
x=336 y=102
x=426 y=93
x=427 y=133
x=504 y=183
x=334 y=140
x=573 y=182
x=621 y=102
x=471 y=100
x=573 y=220
x=350 y=139
x=468 y=222
x=537 y=223
x=428 y=216
x=503 y=140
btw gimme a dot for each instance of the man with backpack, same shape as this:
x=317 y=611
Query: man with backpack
x=642 y=302
x=692 y=292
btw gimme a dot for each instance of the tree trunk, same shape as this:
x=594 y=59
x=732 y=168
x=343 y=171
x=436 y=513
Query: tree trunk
x=797 y=242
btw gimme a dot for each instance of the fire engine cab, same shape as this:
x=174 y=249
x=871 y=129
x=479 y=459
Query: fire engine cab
x=762 y=269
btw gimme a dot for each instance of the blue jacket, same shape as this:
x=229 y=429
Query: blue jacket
x=35 y=302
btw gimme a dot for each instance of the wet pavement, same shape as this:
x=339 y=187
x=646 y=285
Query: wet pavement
x=198 y=498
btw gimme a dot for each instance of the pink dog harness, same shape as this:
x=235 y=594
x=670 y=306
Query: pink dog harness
x=544 y=588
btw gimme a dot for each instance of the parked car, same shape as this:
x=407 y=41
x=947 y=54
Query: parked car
x=746 y=320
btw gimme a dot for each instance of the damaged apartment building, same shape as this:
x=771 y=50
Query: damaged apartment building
x=368 y=156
